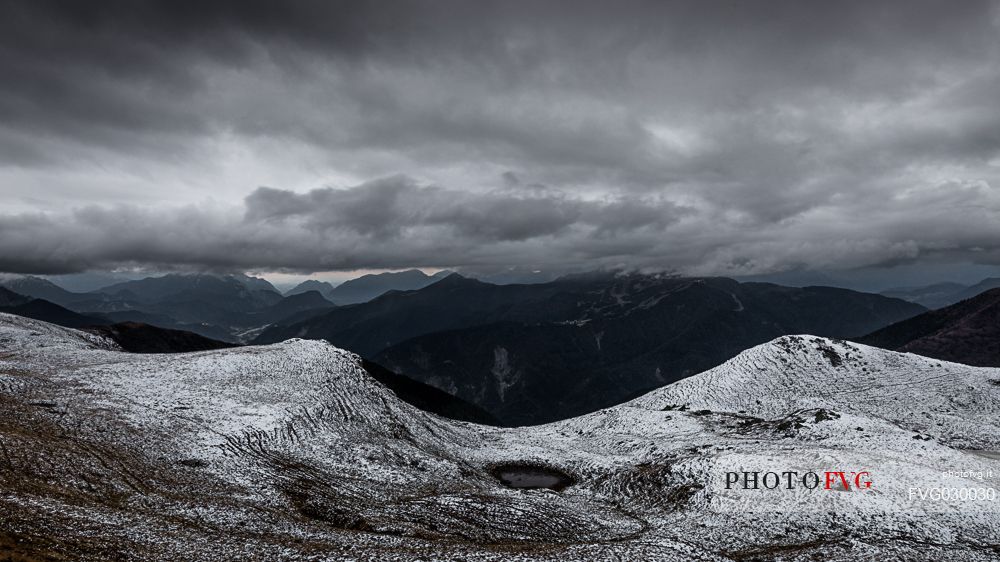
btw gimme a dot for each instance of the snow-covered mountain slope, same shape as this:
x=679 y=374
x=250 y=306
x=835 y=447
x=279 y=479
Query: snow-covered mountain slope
x=949 y=401
x=291 y=451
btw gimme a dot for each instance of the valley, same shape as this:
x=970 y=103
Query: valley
x=495 y=281
x=292 y=451
x=532 y=354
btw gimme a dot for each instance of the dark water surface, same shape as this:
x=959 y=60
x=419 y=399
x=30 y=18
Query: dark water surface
x=530 y=476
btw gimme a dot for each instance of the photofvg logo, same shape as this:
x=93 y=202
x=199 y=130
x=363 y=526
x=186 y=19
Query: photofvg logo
x=759 y=483
x=836 y=480
x=788 y=489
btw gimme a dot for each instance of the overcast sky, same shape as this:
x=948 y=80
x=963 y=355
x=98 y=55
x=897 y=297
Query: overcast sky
x=702 y=137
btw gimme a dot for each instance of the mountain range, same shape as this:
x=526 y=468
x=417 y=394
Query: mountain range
x=940 y=295
x=369 y=286
x=526 y=354
x=41 y=309
x=220 y=307
x=536 y=353
x=293 y=451
x=36 y=287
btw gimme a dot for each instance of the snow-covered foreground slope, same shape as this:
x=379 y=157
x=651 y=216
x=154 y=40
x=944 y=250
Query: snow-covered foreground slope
x=291 y=451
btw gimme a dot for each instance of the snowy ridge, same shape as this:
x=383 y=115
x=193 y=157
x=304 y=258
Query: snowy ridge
x=291 y=451
x=18 y=333
x=796 y=372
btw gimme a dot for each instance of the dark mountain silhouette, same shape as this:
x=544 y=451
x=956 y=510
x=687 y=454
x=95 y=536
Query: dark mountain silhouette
x=967 y=332
x=218 y=307
x=535 y=353
x=367 y=287
x=977 y=289
x=454 y=302
x=933 y=296
x=143 y=338
x=293 y=306
x=254 y=283
x=40 y=309
x=230 y=303
x=39 y=288
x=228 y=291
x=10 y=298
x=941 y=295
x=85 y=303
x=321 y=287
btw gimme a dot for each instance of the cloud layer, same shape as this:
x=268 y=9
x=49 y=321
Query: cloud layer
x=709 y=137
x=397 y=222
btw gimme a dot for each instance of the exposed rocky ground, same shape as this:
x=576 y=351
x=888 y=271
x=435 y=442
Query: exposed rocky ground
x=292 y=451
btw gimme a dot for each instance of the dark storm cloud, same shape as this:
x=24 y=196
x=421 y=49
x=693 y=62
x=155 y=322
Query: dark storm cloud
x=385 y=209
x=392 y=222
x=722 y=137
x=399 y=222
x=521 y=80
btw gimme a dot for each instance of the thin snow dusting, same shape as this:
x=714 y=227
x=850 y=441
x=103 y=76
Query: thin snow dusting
x=292 y=452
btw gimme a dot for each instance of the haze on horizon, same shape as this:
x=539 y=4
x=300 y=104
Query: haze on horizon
x=711 y=137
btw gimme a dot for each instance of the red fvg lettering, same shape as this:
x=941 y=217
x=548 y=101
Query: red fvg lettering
x=860 y=479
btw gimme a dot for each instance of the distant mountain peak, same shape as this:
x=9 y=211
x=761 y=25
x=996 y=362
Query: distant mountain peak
x=28 y=281
x=322 y=287
x=367 y=287
x=457 y=278
x=254 y=283
x=39 y=288
x=404 y=273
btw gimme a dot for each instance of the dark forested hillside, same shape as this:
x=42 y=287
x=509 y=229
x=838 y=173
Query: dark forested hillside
x=536 y=353
x=967 y=332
